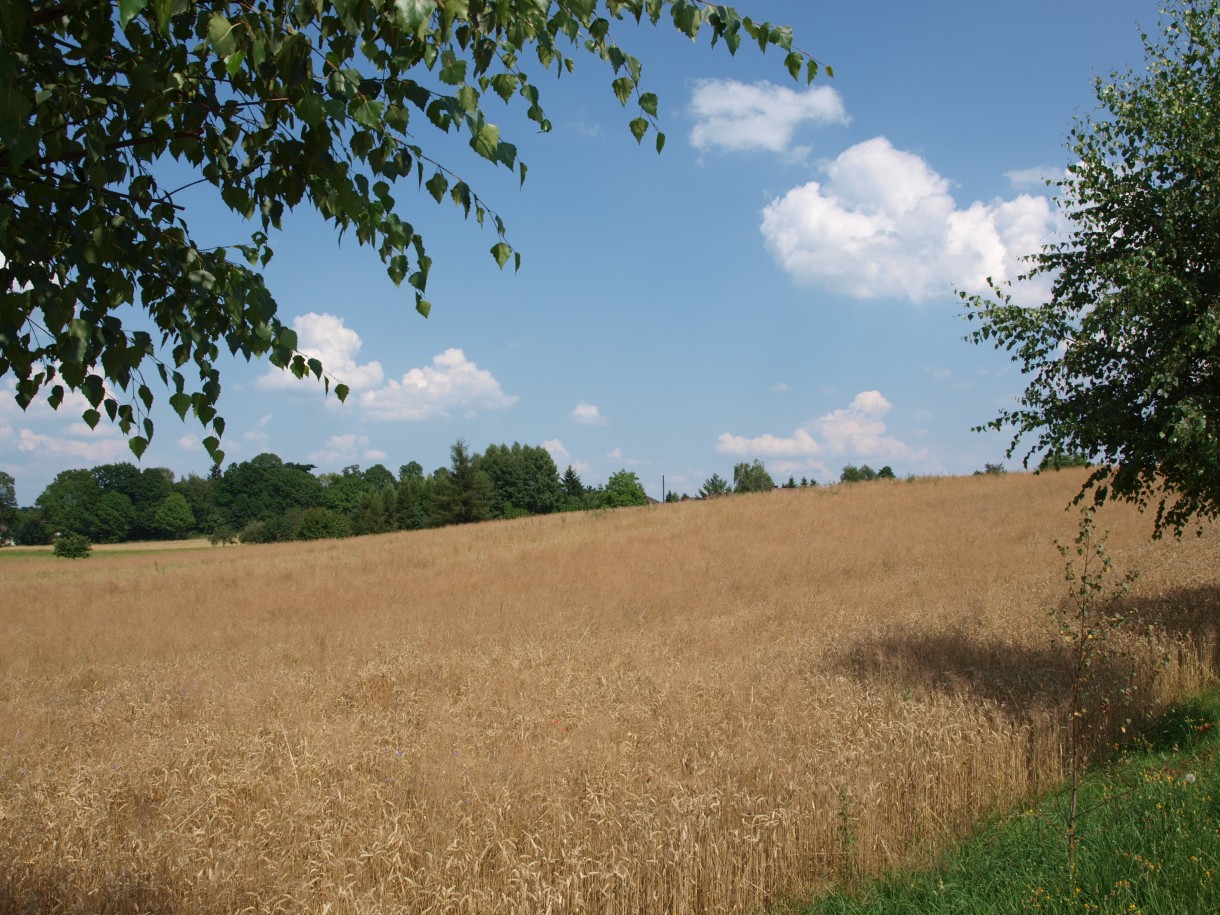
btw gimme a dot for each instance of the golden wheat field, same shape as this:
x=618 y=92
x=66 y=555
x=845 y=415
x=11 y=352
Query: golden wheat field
x=703 y=707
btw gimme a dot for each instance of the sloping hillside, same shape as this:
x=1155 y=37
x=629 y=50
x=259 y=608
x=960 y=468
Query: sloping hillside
x=679 y=708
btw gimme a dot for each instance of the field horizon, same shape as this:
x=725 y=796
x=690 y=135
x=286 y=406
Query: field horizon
x=693 y=707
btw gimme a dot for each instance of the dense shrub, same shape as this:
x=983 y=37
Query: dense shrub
x=321 y=524
x=73 y=546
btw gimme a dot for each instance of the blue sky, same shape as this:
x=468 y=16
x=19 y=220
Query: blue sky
x=778 y=284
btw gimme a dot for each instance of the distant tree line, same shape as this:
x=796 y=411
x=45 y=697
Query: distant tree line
x=267 y=499
x=753 y=477
x=864 y=473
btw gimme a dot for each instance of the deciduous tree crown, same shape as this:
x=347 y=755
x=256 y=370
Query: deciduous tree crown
x=1124 y=358
x=275 y=104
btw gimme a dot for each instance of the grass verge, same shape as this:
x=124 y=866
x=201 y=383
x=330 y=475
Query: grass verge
x=1150 y=842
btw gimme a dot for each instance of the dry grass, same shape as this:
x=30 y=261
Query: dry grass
x=691 y=708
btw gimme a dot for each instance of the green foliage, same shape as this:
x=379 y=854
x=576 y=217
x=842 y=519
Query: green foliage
x=112 y=518
x=413 y=504
x=200 y=494
x=1055 y=460
x=264 y=488
x=464 y=493
x=72 y=546
x=278 y=529
x=524 y=479
x=378 y=477
x=31 y=529
x=344 y=491
x=623 y=489
x=9 y=509
x=854 y=474
x=991 y=470
x=222 y=535
x=70 y=501
x=1123 y=357
x=375 y=513
x=255 y=532
x=573 y=489
x=173 y=517
x=129 y=499
x=321 y=524
x=885 y=473
x=752 y=478
x=273 y=105
x=715 y=485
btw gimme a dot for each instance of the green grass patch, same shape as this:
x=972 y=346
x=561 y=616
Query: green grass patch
x=107 y=550
x=12 y=553
x=1149 y=843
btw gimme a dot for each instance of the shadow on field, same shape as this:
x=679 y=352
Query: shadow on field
x=1024 y=679
x=1187 y=614
x=60 y=891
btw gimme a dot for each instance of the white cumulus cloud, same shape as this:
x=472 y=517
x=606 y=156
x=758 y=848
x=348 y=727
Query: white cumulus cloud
x=327 y=338
x=587 y=414
x=858 y=429
x=883 y=224
x=740 y=117
x=451 y=382
x=800 y=444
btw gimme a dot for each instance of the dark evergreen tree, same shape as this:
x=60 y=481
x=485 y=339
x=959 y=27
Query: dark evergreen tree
x=371 y=516
x=413 y=505
x=72 y=546
x=463 y=494
x=715 y=485
x=573 y=489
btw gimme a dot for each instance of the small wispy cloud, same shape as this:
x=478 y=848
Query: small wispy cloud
x=587 y=414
